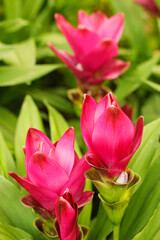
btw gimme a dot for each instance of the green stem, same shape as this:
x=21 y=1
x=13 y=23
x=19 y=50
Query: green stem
x=116 y=229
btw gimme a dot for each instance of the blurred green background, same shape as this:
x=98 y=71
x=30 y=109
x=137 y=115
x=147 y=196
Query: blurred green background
x=33 y=92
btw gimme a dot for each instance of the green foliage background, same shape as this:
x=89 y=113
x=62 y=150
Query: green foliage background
x=33 y=93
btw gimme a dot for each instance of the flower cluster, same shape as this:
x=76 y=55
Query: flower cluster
x=55 y=175
x=109 y=134
x=94 y=43
x=51 y=168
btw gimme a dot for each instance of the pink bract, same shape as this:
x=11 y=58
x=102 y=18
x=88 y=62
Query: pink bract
x=94 y=43
x=109 y=134
x=51 y=168
x=150 y=5
x=66 y=212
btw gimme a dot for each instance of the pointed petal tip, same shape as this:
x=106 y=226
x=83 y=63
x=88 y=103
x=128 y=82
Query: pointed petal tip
x=81 y=11
x=32 y=131
x=10 y=173
x=66 y=191
x=128 y=64
x=84 y=97
x=57 y=16
x=71 y=131
x=49 y=44
x=122 y=15
x=111 y=95
x=24 y=150
x=140 y=121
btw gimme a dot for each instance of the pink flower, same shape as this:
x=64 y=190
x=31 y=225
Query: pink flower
x=66 y=211
x=150 y=5
x=109 y=134
x=94 y=43
x=53 y=168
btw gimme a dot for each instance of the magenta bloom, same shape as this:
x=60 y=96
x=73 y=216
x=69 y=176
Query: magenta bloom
x=66 y=213
x=94 y=43
x=53 y=168
x=109 y=134
x=150 y=5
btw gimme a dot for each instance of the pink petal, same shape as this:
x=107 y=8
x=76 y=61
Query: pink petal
x=92 y=22
x=85 y=199
x=138 y=132
x=120 y=166
x=113 y=69
x=64 y=153
x=150 y=5
x=81 y=40
x=105 y=27
x=87 y=118
x=66 y=217
x=44 y=196
x=76 y=182
x=94 y=161
x=99 y=55
x=98 y=19
x=71 y=62
x=84 y=20
x=106 y=102
x=45 y=172
x=112 y=136
x=112 y=27
x=36 y=141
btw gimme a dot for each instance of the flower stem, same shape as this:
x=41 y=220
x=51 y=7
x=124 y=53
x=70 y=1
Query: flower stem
x=116 y=229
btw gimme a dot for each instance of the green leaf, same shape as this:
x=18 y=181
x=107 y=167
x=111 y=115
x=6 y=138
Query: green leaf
x=29 y=117
x=8 y=232
x=58 y=126
x=136 y=77
x=31 y=8
x=6 y=160
x=145 y=200
x=143 y=204
x=7 y=124
x=54 y=98
x=150 y=109
x=12 y=9
x=24 y=74
x=156 y=70
x=134 y=25
x=150 y=230
x=101 y=226
x=18 y=215
x=144 y=70
x=5 y=49
x=150 y=84
x=13 y=25
x=125 y=87
x=84 y=218
x=142 y=159
x=57 y=39
x=10 y=28
x=23 y=54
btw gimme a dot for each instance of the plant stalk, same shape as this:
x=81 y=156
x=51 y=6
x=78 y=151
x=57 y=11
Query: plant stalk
x=116 y=229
